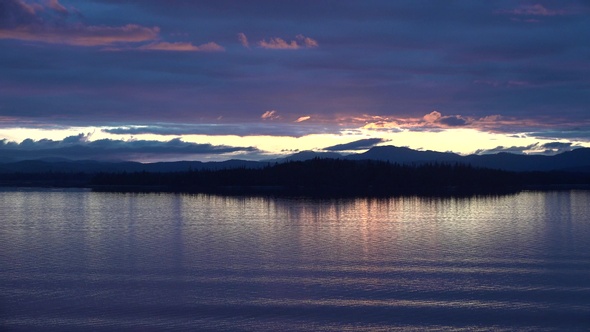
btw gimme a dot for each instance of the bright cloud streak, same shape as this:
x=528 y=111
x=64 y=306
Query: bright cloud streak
x=303 y=118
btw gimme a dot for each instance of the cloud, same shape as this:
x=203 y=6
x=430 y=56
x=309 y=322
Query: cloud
x=80 y=147
x=532 y=13
x=80 y=35
x=243 y=129
x=375 y=57
x=550 y=148
x=23 y=21
x=504 y=149
x=181 y=47
x=361 y=144
x=243 y=40
x=30 y=22
x=453 y=121
x=435 y=121
x=436 y=118
x=277 y=43
x=270 y=115
x=564 y=133
x=303 y=118
x=432 y=117
x=533 y=10
x=308 y=42
x=55 y=5
x=558 y=145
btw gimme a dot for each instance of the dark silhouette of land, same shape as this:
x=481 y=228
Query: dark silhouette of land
x=413 y=172
x=317 y=177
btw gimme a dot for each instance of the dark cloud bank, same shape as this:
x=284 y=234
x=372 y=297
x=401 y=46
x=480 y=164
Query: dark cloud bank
x=80 y=148
x=361 y=144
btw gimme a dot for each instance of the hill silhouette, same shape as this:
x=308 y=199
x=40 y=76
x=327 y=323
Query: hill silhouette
x=575 y=160
x=384 y=170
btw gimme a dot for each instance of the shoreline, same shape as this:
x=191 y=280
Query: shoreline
x=311 y=192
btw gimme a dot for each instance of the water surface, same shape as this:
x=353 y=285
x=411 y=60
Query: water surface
x=80 y=260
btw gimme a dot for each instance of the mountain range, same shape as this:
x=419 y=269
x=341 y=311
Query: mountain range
x=577 y=160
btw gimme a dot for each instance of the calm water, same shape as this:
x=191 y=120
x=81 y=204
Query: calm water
x=79 y=260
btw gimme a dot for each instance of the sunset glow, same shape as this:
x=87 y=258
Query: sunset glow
x=255 y=81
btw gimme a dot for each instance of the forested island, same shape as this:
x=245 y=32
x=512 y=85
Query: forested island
x=316 y=177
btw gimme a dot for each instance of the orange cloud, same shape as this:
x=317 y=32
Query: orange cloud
x=303 y=118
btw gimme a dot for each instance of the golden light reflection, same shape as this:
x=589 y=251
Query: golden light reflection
x=405 y=226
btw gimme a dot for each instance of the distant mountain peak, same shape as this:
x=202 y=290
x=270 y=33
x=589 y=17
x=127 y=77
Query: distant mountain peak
x=308 y=154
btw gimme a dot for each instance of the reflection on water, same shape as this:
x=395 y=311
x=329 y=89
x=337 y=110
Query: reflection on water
x=74 y=260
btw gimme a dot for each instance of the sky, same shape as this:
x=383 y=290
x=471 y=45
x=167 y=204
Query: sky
x=149 y=80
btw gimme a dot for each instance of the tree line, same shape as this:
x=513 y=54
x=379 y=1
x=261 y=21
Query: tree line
x=340 y=177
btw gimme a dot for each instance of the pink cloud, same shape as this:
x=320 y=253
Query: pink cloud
x=181 y=47
x=243 y=39
x=270 y=115
x=277 y=43
x=431 y=121
x=308 y=42
x=31 y=9
x=533 y=10
x=435 y=121
x=303 y=118
x=55 y=5
x=432 y=117
x=80 y=35
x=537 y=10
x=28 y=23
x=495 y=122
